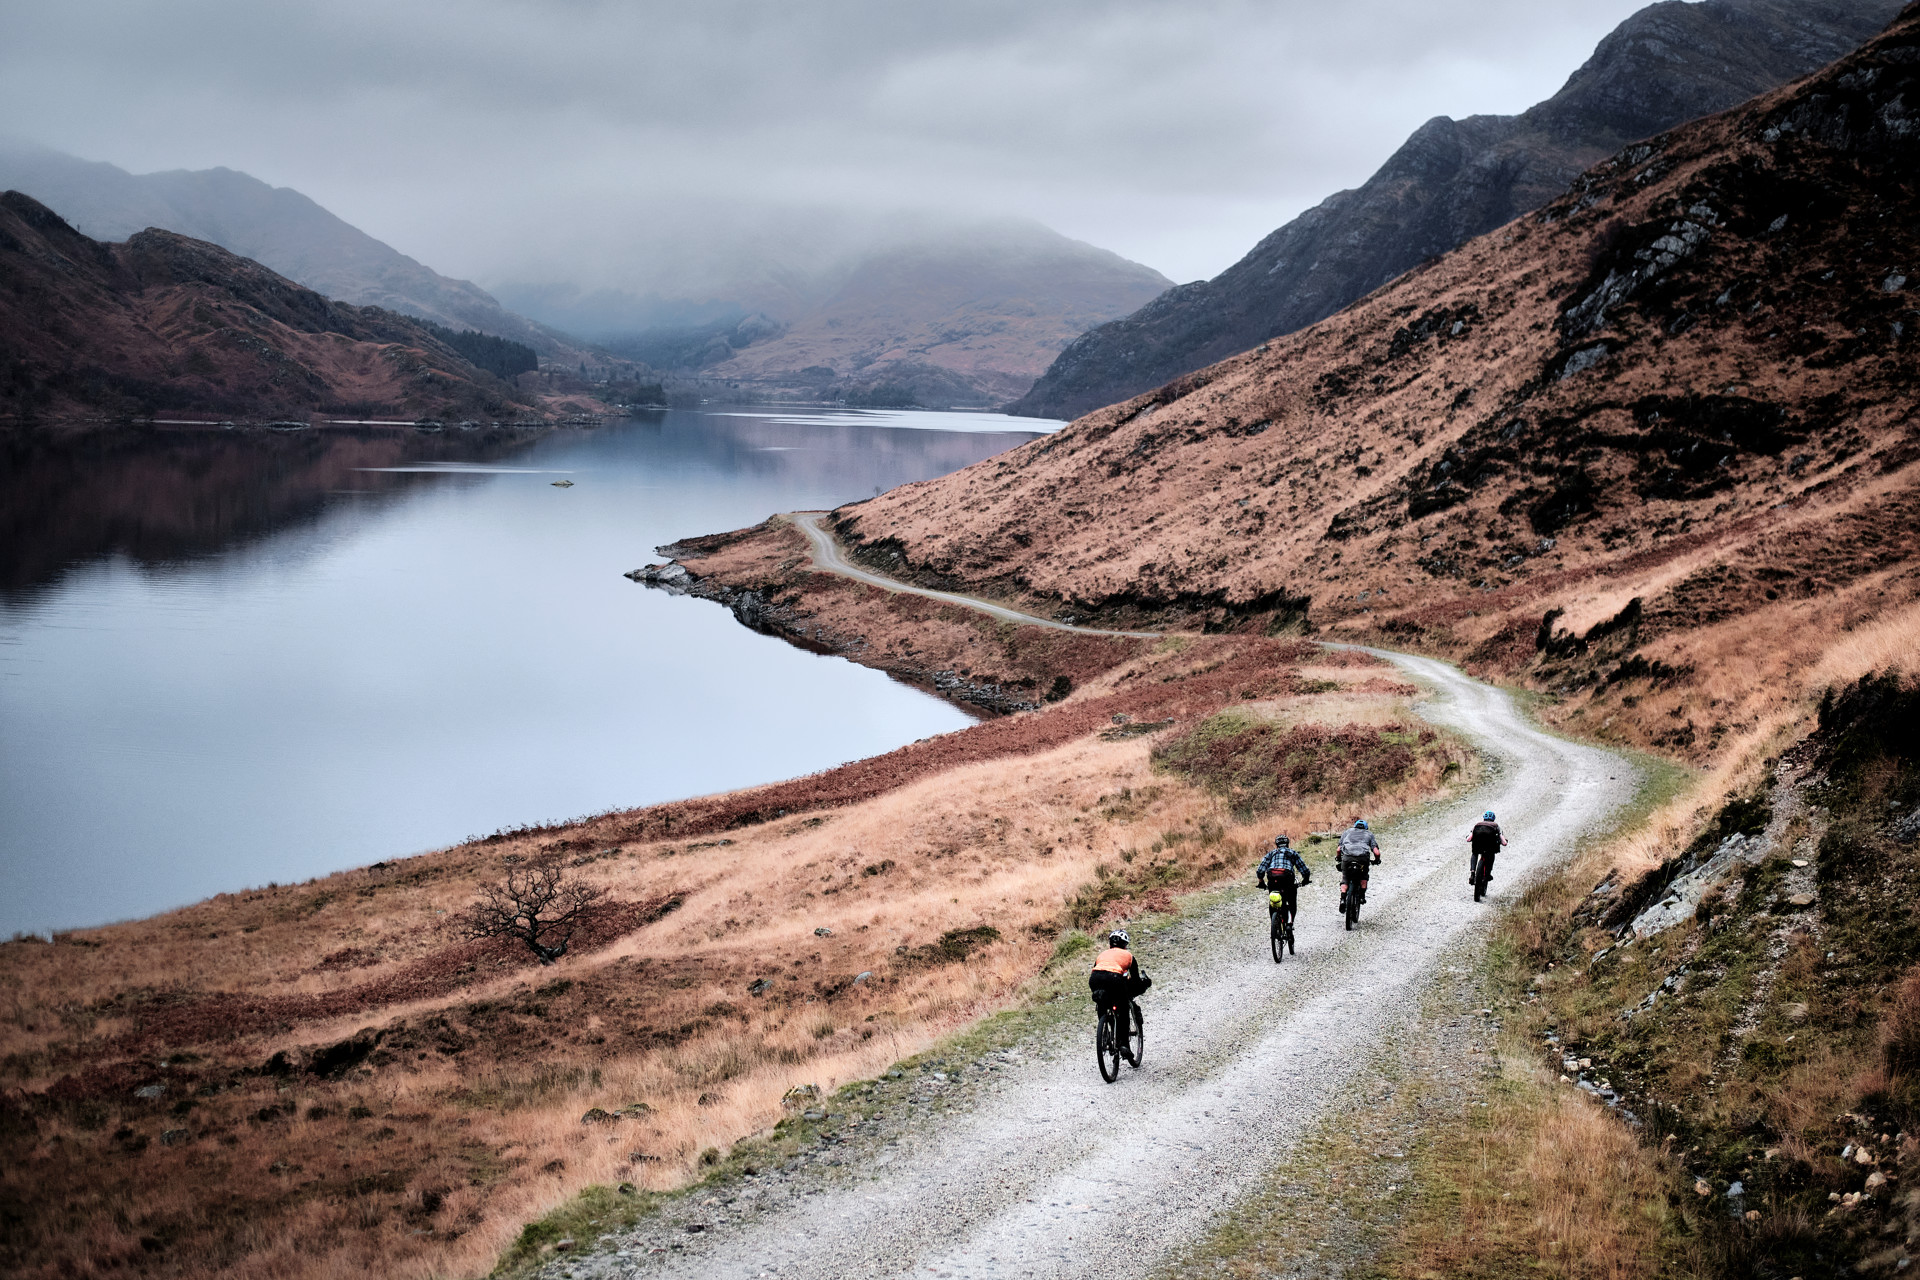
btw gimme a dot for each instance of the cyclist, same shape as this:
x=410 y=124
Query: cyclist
x=1358 y=850
x=1486 y=841
x=1116 y=978
x=1276 y=875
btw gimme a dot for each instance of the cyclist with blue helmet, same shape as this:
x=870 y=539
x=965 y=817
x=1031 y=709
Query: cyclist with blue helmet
x=1358 y=850
x=1485 y=840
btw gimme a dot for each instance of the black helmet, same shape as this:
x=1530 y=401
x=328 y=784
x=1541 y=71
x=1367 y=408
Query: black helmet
x=1118 y=938
x=1281 y=842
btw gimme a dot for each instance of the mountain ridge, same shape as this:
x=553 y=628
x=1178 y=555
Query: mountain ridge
x=164 y=322
x=1454 y=179
x=1609 y=442
x=279 y=227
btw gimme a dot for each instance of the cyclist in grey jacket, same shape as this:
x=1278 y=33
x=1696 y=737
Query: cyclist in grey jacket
x=1358 y=851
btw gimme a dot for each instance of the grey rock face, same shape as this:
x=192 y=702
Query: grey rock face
x=1456 y=179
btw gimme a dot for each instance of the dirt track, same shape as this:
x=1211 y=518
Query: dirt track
x=827 y=558
x=1051 y=1173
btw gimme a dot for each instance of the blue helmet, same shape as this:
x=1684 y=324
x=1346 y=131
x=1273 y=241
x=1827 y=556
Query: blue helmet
x=1360 y=823
x=1487 y=816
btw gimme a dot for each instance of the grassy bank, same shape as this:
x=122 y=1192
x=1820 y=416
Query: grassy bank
x=1755 y=1054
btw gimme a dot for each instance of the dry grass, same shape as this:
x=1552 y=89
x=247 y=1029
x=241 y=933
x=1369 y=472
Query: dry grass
x=1542 y=1182
x=427 y=1157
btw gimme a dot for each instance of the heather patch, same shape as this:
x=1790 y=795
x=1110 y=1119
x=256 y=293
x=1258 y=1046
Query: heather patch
x=1258 y=766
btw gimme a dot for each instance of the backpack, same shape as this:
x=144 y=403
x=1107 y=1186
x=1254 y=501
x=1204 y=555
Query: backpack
x=1356 y=845
x=1486 y=837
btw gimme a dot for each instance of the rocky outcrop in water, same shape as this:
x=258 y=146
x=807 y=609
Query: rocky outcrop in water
x=1456 y=179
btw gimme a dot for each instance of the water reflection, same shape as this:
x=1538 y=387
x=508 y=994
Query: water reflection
x=232 y=658
x=155 y=495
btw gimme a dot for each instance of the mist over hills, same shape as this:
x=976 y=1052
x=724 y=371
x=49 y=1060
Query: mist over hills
x=277 y=227
x=1455 y=179
x=909 y=311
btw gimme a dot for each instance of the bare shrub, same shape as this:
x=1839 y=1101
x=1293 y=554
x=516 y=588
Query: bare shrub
x=538 y=903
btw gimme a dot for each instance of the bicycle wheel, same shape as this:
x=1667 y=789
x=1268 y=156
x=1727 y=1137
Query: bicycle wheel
x=1277 y=935
x=1353 y=904
x=1479 y=888
x=1136 y=1045
x=1106 y=1046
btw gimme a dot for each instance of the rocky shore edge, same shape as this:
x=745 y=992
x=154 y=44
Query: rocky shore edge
x=758 y=609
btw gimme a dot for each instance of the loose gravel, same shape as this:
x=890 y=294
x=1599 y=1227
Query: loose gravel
x=1023 y=1163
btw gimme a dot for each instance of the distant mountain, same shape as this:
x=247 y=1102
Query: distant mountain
x=1454 y=179
x=275 y=226
x=164 y=323
x=945 y=315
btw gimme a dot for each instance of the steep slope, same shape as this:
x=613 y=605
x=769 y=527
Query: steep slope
x=973 y=316
x=1659 y=438
x=1455 y=179
x=164 y=323
x=275 y=226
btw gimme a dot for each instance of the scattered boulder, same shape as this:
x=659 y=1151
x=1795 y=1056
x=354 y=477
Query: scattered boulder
x=798 y=1097
x=759 y=986
x=150 y=1091
x=823 y=932
x=597 y=1116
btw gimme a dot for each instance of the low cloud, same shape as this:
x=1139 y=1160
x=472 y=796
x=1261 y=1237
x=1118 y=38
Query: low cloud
x=640 y=144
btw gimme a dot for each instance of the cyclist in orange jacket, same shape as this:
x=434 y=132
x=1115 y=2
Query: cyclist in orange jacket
x=1116 y=976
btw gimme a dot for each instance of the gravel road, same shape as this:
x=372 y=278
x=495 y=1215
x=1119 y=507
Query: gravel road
x=827 y=557
x=1048 y=1172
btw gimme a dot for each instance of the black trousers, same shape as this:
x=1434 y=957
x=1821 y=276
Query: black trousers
x=1474 y=863
x=1354 y=873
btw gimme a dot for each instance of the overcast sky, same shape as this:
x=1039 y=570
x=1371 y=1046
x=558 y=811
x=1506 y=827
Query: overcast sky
x=544 y=139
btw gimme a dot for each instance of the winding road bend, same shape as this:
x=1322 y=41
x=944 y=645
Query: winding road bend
x=1051 y=1173
x=827 y=559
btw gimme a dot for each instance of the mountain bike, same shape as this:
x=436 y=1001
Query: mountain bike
x=1279 y=927
x=1121 y=1034
x=1482 y=873
x=1351 y=874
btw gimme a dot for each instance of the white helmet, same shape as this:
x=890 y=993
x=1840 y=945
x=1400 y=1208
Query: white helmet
x=1118 y=938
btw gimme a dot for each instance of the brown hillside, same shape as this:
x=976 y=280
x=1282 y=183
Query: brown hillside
x=329 y=1078
x=166 y=324
x=1674 y=409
